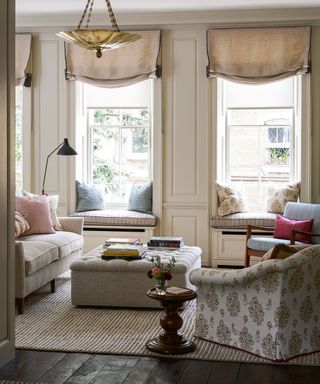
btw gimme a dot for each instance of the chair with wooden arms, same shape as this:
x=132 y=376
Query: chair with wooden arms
x=258 y=245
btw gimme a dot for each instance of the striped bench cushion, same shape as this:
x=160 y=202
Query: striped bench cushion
x=241 y=220
x=115 y=217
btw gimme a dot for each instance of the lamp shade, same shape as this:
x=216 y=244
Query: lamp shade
x=66 y=149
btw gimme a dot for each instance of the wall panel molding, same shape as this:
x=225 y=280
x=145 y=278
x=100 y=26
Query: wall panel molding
x=191 y=223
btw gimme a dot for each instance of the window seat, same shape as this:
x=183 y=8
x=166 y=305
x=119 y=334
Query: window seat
x=116 y=217
x=241 y=220
x=101 y=225
x=228 y=235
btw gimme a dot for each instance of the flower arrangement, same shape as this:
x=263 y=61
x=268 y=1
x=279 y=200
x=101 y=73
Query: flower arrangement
x=161 y=272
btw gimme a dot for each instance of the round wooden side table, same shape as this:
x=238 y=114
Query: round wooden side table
x=170 y=341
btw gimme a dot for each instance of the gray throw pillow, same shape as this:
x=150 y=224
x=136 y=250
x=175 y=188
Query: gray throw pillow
x=140 y=198
x=88 y=198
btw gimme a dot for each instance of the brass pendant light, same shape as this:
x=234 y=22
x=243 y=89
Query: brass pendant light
x=98 y=39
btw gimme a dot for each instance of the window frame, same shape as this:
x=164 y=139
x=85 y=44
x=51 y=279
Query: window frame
x=26 y=136
x=301 y=139
x=89 y=128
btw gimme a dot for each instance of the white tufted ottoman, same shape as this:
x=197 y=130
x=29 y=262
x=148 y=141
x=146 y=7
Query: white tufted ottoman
x=120 y=283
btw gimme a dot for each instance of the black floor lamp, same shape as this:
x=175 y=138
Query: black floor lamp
x=65 y=150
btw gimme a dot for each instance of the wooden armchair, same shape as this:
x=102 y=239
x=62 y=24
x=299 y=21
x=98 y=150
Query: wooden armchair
x=258 y=246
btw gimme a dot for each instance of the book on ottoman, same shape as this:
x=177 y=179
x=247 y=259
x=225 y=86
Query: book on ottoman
x=124 y=251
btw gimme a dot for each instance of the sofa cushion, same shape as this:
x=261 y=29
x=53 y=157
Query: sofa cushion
x=38 y=254
x=65 y=242
x=140 y=199
x=231 y=200
x=263 y=244
x=37 y=212
x=117 y=217
x=88 y=197
x=241 y=220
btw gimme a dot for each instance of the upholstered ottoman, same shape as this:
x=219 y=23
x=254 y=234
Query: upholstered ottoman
x=120 y=283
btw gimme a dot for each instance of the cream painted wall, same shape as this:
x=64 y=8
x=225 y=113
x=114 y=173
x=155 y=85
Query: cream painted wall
x=7 y=263
x=187 y=197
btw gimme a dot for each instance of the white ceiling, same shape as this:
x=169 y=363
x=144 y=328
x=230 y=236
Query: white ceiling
x=54 y=7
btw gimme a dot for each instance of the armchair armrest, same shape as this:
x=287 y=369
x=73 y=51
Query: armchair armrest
x=294 y=232
x=72 y=224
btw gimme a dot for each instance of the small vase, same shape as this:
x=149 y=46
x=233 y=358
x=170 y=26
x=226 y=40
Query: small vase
x=161 y=287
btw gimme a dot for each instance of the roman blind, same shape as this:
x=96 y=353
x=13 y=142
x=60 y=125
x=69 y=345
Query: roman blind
x=24 y=59
x=255 y=55
x=123 y=66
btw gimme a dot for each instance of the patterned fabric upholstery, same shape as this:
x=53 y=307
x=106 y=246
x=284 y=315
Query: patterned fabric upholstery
x=241 y=220
x=117 y=217
x=270 y=309
x=265 y=243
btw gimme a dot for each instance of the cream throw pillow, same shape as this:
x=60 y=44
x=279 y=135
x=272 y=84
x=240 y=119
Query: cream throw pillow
x=53 y=203
x=21 y=224
x=278 y=197
x=230 y=200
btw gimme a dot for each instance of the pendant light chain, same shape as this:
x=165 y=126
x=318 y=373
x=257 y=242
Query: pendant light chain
x=89 y=13
x=112 y=18
x=83 y=14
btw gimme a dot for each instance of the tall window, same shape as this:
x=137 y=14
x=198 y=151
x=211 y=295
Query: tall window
x=19 y=137
x=119 y=144
x=260 y=131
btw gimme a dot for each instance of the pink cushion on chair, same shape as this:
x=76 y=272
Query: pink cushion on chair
x=284 y=226
x=37 y=213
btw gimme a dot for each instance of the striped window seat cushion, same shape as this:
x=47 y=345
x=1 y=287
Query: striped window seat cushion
x=241 y=220
x=116 y=217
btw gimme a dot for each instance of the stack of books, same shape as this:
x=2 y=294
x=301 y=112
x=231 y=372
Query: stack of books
x=118 y=240
x=169 y=243
x=123 y=251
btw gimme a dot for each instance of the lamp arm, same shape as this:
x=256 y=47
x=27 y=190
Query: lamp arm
x=45 y=170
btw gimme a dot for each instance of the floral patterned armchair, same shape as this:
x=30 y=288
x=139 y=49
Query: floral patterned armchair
x=271 y=309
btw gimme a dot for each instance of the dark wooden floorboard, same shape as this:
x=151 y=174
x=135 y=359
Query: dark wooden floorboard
x=141 y=371
x=195 y=372
x=167 y=371
x=229 y=372
x=64 y=368
x=29 y=365
x=77 y=368
x=116 y=370
x=255 y=374
x=297 y=374
x=90 y=369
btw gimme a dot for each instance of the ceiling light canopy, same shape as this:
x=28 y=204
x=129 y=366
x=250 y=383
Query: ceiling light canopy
x=98 y=39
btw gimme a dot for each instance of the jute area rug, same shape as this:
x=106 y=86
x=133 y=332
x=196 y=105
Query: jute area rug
x=51 y=323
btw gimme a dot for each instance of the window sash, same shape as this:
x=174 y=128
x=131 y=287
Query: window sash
x=120 y=128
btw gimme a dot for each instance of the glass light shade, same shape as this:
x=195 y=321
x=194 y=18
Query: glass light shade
x=98 y=39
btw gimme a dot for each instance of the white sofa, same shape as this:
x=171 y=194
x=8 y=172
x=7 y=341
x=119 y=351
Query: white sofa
x=43 y=257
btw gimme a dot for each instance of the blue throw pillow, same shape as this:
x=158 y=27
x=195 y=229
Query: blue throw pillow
x=88 y=198
x=140 y=198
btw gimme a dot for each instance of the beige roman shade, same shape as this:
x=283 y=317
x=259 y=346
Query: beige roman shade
x=123 y=66
x=254 y=55
x=24 y=59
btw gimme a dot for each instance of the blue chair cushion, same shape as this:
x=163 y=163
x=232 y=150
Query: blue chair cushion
x=263 y=244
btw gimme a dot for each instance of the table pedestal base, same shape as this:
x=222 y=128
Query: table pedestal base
x=161 y=345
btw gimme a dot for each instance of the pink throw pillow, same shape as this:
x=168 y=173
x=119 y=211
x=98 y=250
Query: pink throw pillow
x=37 y=213
x=284 y=227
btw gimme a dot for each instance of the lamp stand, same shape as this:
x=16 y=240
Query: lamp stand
x=45 y=170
